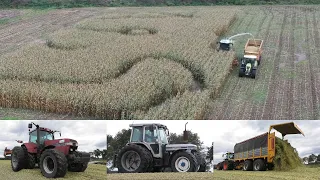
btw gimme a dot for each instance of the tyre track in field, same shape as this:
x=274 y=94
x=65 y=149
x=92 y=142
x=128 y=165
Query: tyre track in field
x=254 y=109
x=315 y=113
x=248 y=105
x=270 y=103
x=227 y=103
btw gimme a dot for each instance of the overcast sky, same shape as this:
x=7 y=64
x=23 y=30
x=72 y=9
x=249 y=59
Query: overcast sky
x=89 y=134
x=226 y=133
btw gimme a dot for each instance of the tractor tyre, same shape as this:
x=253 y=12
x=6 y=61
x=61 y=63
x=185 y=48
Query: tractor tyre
x=259 y=165
x=77 y=167
x=17 y=159
x=30 y=161
x=133 y=155
x=248 y=165
x=150 y=160
x=184 y=162
x=53 y=164
x=253 y=74
x=201 y=162
x=241 y=72
x=228 y=165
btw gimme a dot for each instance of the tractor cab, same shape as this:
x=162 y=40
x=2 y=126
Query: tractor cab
x=225 y=44
x=228 y=156
x=153 y=136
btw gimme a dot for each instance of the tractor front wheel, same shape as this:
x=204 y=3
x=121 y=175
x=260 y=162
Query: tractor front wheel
x=227 y=165
x=253 y=74
x=17 y=159
x=201 y=162
x=53 y=164
x=184 y=162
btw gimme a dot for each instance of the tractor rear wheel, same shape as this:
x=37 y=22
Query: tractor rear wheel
x=134 y=159
x=30 y=161
x=248 y=165
x=259 y=165
x=77 y=167
x=184 y=162
x=53 y=163
x=17 y=159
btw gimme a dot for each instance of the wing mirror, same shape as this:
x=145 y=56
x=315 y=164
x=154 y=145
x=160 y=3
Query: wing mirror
x=30 y=125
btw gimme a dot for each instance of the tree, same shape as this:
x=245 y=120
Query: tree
x=312 y=158
x=117 y=142
x=305 y=159
x=193 y=138
x=97 y=153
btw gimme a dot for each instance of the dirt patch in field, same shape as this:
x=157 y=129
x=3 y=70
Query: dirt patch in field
x=8 y=14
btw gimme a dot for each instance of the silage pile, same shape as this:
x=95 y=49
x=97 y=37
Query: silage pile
x=287 y=157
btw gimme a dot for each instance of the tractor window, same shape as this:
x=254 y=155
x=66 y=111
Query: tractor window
x=231 y=156
x=43 y=136
x=137 y=134
x=151 y=135
x=33 y=137
x=163 y=136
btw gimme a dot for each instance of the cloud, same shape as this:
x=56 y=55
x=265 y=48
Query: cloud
x=89 y=134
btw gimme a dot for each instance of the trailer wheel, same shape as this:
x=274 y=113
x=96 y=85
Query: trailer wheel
x=248 y=165
x=259 y=165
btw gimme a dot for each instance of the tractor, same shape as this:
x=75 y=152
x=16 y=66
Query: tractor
x=227 y=163
x=7 y=152
x=53 y=156
x=149 y=151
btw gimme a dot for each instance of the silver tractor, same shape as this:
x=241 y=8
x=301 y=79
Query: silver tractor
x=149 y=151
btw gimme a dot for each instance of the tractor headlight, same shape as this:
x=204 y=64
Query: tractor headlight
x=68 y=144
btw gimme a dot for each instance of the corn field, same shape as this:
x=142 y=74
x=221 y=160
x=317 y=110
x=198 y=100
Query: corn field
x=138 y=63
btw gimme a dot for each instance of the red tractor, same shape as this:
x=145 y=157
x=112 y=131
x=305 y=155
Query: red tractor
x=54 y=156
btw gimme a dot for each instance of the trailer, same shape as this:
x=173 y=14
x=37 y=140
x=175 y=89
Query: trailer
x=251 y=58
x=257 y=153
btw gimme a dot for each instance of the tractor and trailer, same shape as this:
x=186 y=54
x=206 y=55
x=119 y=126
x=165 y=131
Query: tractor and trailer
x=54 y=156
x=149 y=151
x=257 y=153
x=252 y=54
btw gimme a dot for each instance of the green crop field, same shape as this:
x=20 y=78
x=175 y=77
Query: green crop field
x=93 y=171
x=300 y=173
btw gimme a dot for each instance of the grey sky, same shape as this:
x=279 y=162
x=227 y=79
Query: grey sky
x=89 y=134
x=225 y=133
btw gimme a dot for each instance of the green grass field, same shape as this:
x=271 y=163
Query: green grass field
x=295 y=174
x=93 y=171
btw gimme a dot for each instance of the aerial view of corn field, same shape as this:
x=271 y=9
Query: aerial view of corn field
x=158 y=63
